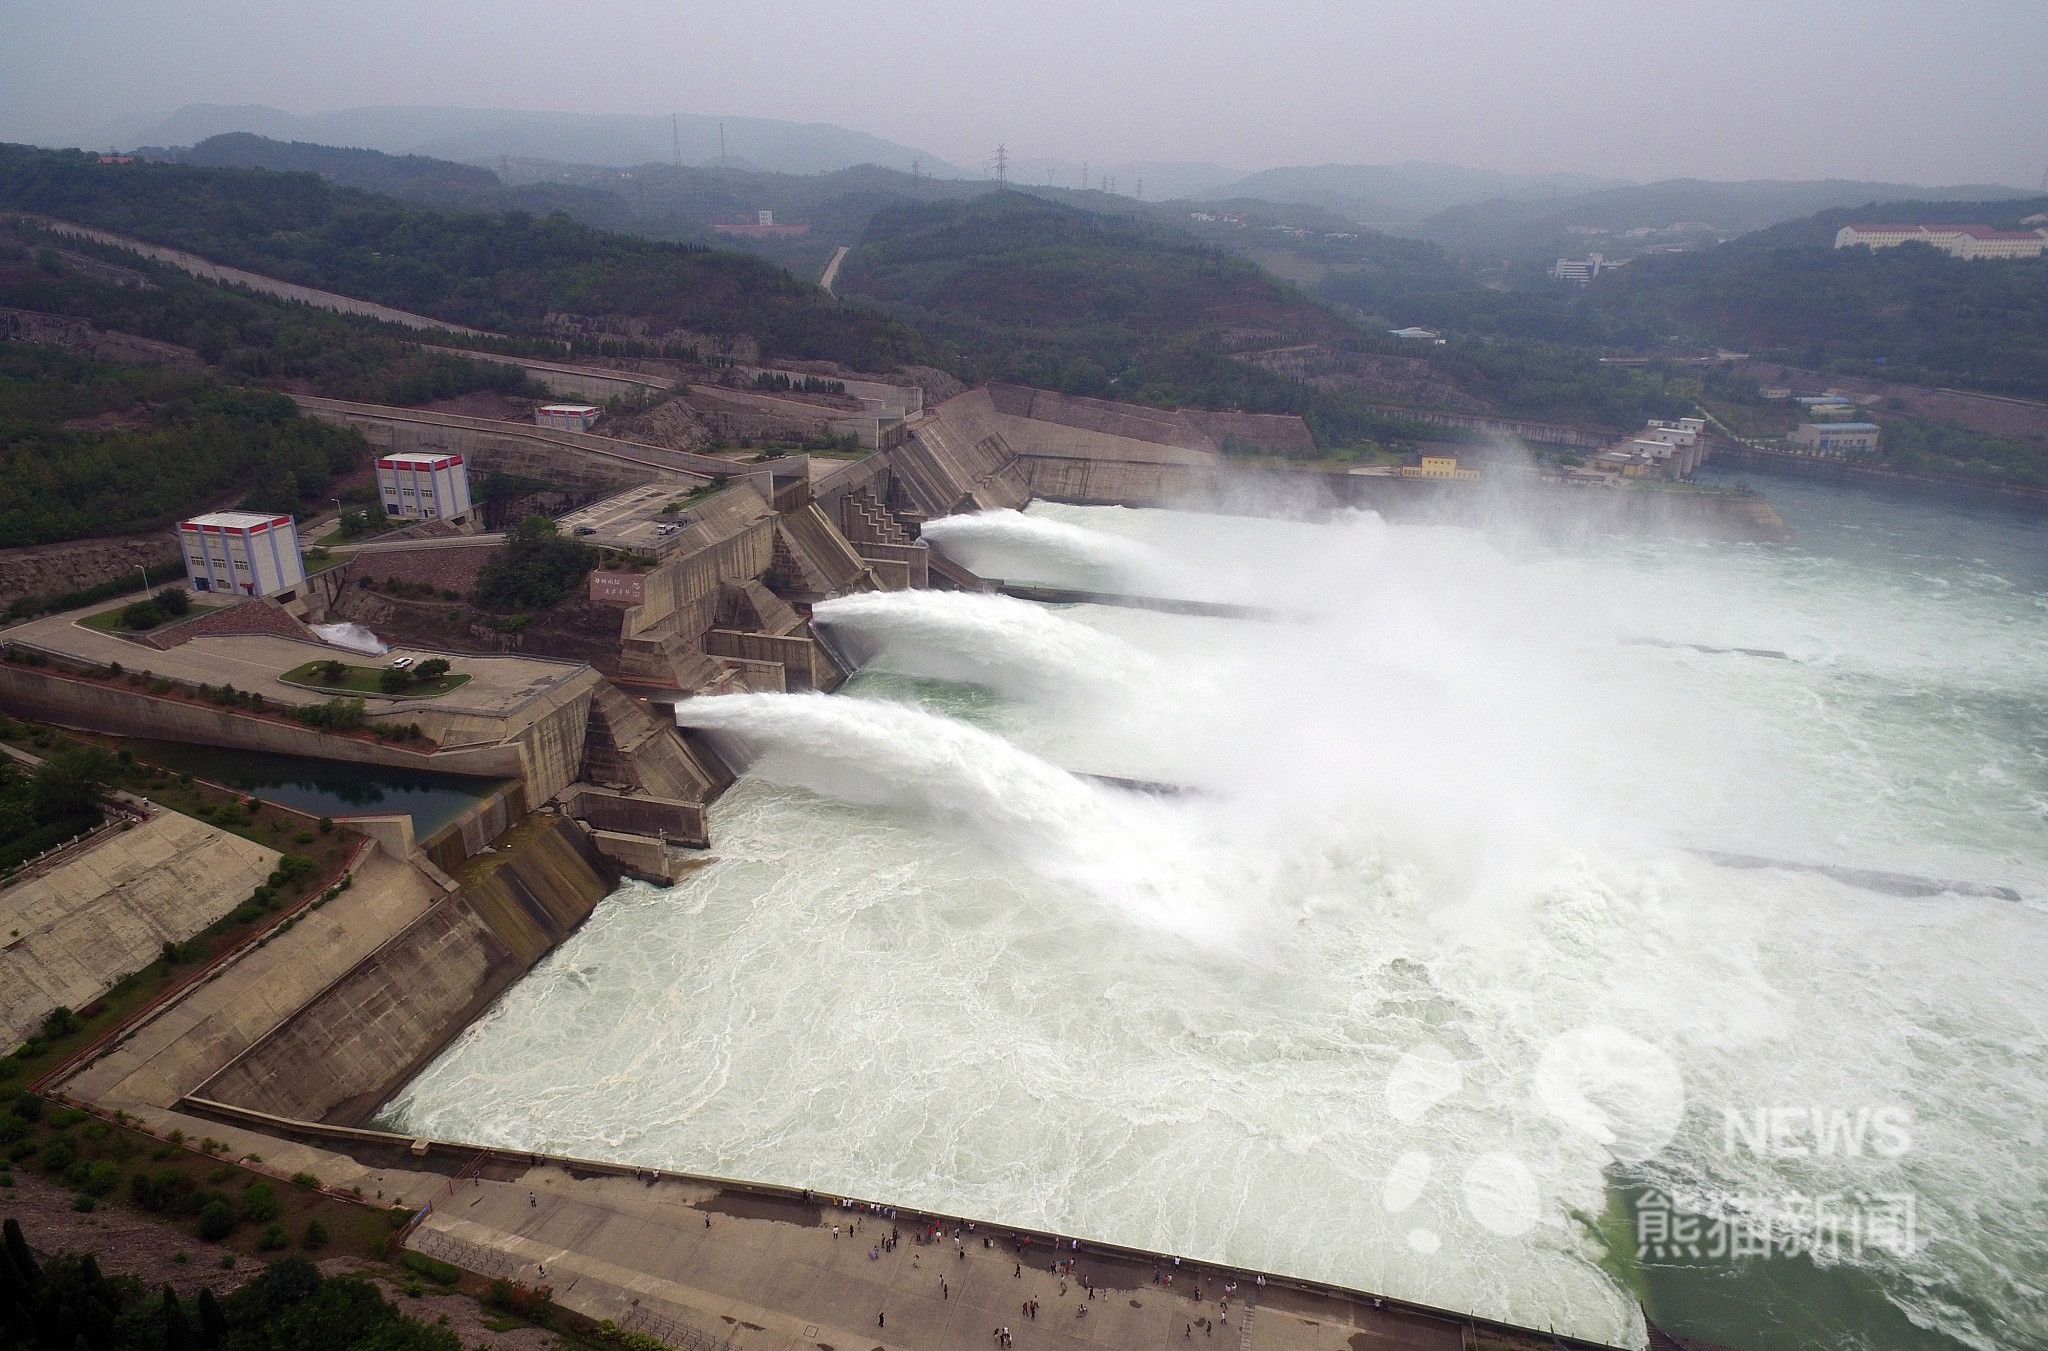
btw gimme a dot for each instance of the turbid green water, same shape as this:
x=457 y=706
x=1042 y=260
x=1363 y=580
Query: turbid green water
x=1424 y=980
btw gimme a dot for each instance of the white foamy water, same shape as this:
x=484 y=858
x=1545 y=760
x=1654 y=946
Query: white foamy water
x=352 y=636
x=1388 y=999
x=1013 y=546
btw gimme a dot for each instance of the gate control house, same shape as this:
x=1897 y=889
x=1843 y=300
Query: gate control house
x=424 y=487
x=242 y=553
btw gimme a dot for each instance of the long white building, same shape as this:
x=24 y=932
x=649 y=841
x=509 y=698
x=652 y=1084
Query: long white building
x=242 y=553
x=1958 y=241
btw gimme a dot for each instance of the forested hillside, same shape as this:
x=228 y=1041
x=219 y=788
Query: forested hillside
x=252 y=338
x=497 y=271
x=1908 y=313
x=1086 y=290
x=90 y=448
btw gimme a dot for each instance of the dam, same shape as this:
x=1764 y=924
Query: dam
x=1395 y=999
x=1329 y=1015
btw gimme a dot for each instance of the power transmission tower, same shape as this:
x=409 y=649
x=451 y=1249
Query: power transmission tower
x=1084 y=175
x=675 y=131
x=1002 y=164
x=1141 y=189
x=721 y=144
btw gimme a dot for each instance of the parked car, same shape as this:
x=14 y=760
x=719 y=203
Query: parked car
x=401 y=663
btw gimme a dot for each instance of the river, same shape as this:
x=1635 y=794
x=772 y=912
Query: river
x=1425 y=987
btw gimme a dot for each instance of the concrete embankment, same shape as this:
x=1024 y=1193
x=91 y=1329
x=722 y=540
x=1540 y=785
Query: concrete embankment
x=352 y=1045
x=535 y=738
x=108 y=910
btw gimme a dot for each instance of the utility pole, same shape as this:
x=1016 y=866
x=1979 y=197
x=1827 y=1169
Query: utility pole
x=675 y=131
x=916 y=168
x=1084 y=175
x=721 y=143
x=1141 y=189
x=1002 y=164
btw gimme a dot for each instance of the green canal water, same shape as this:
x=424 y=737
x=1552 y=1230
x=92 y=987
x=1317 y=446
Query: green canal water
x=326 y=787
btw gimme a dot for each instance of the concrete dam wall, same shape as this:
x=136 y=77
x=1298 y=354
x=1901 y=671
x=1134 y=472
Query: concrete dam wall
x=341 y=1055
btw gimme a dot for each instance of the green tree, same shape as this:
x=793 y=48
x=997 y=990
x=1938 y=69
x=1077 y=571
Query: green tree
x=534 y=568
x=69 y=783
x=433 y=668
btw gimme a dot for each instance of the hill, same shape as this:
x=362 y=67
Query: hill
x=1909 y=313
x=483 y=135
x=512 y=272
x=1032 y=291
x=1537 y=230
x=91 y=448
x=1399 y=192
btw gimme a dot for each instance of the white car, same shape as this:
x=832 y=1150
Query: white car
x=401 y=663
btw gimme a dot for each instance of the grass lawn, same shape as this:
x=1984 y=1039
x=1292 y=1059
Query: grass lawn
x=108 y=621
x=365 y=680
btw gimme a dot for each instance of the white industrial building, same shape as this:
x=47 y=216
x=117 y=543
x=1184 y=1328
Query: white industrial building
x=242 y=553
x=1837 y=439
x=567 y=417
x=423 y=487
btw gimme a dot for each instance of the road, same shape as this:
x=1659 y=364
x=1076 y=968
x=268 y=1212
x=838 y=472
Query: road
x=832 y=269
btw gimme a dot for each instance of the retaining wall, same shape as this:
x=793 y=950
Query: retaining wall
x=341 y=1055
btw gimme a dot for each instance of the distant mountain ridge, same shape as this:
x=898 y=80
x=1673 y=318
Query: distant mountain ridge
x=1408 y=191
x=1534 y=226
x=480 y=135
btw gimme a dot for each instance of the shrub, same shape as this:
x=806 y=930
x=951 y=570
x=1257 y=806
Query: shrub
x=433 y=668
x=272 y=1238
x=216 y=1220
x=173 y=601
x=331 y=671
x=28 y=1106
x=84 y=1203
x=339 y=715
x=160 y=1190
x=521 y=1300
x=12 y=1128
x=259 y=1202
x=315 y=1236
x=143 y=614
x=95 y=1179
x=326 y=825
x=432 y=1268
x=303 y=837
x=393 y=681
x=305 y=1180
x=59 y=1154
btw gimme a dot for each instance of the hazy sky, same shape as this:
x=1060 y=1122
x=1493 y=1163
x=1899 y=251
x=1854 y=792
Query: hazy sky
x=1932 y=91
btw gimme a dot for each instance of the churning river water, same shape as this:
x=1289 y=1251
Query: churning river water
x=1426 y=986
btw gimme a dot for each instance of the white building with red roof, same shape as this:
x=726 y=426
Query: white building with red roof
x=1958 y=241
x=242 y=553
x=422 y=487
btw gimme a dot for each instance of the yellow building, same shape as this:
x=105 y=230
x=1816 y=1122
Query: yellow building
x=1438 y=466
